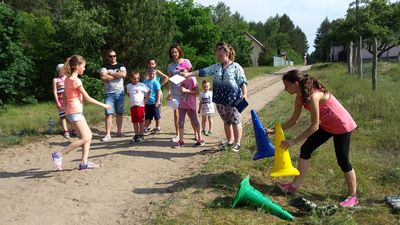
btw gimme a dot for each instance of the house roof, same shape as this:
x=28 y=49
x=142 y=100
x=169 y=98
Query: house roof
x=253 y=38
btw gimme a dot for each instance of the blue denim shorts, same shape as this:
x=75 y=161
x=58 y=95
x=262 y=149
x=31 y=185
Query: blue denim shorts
x=116 y=100
x=75 y=117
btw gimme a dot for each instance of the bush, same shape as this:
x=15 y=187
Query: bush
x=94 y=87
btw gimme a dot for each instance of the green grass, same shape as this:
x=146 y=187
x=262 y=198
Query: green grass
x=19 y=124
x=252 y=72
x=375 y=154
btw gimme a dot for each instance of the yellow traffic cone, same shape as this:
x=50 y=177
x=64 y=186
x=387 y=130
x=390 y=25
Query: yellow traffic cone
x=282 y=164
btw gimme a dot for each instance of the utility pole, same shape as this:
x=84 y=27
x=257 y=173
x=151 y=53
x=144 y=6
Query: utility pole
x=360 y=42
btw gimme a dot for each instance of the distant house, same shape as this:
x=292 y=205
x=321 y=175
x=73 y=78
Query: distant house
x=338 y=53
x=257 y=48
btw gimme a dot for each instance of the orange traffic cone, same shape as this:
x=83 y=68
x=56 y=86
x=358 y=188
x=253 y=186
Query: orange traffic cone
x=282 y=164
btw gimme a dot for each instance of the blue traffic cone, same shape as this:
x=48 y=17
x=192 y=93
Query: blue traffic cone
x=264 y=146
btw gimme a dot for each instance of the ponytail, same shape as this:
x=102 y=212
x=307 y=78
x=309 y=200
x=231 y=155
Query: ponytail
x=307 y=83
x=71 y=63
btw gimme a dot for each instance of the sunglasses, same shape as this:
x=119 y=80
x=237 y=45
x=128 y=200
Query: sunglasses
x=112 y=56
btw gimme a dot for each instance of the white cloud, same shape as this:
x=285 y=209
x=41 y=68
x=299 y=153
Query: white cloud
x=307 y=14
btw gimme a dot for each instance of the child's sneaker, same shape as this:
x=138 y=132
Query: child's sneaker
x=156 y=130
x=210 y=133
x=57 y=160
x=225 y=145
x=235 y=148
x=88 y=165
x=106 y=138
x=287 y=188
x=349 y=202
x=146 y=130
x=203 y=132
x=199 y=143
x=134 y=139
x=66 y=135
x=174 y=139
x=178 y=144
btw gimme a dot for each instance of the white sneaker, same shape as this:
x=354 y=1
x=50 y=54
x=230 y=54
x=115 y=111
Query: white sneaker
x=106 y=138
x=174 y=139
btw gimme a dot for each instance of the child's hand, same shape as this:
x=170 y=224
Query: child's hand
x=157 y=104
x=269 y=131
x=184 y=74
x=287 y=143
x=169 y=97
x=185 y=90
x=59 y=105
x=107 y=106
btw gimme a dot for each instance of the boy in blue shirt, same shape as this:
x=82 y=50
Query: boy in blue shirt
x=152 y=109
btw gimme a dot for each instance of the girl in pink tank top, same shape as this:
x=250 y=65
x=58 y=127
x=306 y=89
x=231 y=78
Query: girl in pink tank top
x=328 y=119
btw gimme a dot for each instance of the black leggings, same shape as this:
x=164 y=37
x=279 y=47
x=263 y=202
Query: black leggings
x=341 y=142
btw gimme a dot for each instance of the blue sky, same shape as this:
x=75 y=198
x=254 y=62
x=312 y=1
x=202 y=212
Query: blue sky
x=307 y=14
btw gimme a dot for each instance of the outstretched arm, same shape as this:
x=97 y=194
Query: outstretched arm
x=92 y=100
x=314 y=126
x=190 y=74
x=298 y=106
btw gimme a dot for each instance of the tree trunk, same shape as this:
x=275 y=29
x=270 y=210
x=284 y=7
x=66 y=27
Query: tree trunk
x=355 y=57
x=350 y=69
x=374 y=63
x=360 y=60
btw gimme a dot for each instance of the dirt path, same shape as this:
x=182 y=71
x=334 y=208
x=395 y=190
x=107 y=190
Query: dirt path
x=124 y=190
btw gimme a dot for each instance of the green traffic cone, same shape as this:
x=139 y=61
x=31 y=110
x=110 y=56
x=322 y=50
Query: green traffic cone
x=248 y=195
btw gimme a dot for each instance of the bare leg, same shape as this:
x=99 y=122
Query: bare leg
x=120 y=118
x=63 y=123
x=108 y=122
x=85 y=136
x=351 y=182
x=302 y=166
x=203 y=122
x=158 y=123
x=237 y=132
x=229 y=133
x=136 y=128
x=141 y=128
x=147 y=123
x=210 y=123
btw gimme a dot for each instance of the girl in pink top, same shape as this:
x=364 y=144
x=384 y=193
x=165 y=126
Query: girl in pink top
x=187 y=105
x=328 y=119
x=73 y=99
x=58 y=93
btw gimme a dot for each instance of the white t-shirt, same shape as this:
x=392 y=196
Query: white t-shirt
x=207 y=105
x=137 y=92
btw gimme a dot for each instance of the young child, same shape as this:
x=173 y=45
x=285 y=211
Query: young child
x=138 y=93
x=58 y=92
x=328 y=119
x=161 y=77
x=206 y=108
x=73 y=98
x=187 y=106
x=152 y=110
